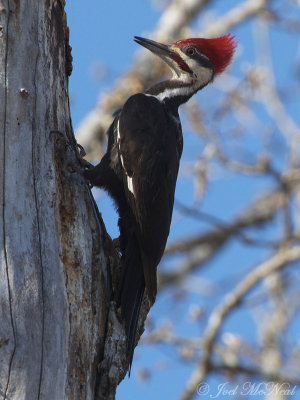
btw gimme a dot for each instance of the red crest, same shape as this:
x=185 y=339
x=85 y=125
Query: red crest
x=218 y=50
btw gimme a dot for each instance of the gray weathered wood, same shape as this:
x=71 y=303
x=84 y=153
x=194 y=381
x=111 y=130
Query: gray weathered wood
x=54 y=272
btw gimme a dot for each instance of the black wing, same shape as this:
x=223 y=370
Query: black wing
x=150 y=145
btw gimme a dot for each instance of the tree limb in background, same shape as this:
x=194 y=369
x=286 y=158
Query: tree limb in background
x=280 y=260
x=254 y=372
x=206 y=245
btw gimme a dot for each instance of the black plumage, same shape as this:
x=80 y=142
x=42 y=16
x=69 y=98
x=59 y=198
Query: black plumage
x=145 y=145
x=141 y=166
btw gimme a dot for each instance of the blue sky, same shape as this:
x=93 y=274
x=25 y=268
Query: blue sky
x=101 y=33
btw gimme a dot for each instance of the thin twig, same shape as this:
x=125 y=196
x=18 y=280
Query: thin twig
x=255 y=372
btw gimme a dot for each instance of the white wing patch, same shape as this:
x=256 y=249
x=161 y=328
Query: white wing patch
x=129 y=179
x=119 y=139
x=130 y=184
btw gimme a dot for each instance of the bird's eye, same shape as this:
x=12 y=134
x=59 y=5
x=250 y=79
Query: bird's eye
x=190 y=51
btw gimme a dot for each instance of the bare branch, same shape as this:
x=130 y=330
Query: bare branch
x=235 y=16
x=270 y=96
x=254 y=372
x=206 y=245
x=280 y=260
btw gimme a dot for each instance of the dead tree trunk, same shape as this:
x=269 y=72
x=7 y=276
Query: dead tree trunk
x=55 y=284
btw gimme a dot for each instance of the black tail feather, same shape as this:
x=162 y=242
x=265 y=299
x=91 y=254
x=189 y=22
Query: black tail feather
x=131 y=292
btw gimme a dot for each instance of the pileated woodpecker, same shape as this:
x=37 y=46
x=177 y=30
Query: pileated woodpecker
x=140 y=167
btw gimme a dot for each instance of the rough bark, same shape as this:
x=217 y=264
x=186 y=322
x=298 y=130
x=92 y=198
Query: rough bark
x=55 y=283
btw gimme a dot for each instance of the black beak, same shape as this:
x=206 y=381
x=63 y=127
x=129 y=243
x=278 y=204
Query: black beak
x=156 y=48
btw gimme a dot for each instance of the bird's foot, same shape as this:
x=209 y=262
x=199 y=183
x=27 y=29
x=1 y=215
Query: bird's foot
x=81 y=153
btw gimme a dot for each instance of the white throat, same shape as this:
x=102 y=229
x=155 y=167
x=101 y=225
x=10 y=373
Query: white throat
x=183 y=86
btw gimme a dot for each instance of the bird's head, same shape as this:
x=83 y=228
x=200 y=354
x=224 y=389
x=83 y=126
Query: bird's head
x=197 y=59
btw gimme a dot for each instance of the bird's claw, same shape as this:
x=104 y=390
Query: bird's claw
x=81 y=150
x=81 y=153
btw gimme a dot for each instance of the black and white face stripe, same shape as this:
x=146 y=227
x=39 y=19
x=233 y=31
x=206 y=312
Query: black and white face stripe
x=192 y=53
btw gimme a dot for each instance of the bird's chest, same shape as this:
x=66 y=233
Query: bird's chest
x=174 y=134
x=179 y=137
x=162 y=158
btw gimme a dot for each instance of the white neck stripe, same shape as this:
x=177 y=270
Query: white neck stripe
x=169 y=93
